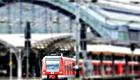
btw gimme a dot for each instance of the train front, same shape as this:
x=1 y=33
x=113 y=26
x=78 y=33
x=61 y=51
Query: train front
x=50 y=67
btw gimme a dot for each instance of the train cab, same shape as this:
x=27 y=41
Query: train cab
x=56 y=67
x=50 y=67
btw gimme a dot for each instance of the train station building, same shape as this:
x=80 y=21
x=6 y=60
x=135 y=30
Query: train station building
x=97 y=29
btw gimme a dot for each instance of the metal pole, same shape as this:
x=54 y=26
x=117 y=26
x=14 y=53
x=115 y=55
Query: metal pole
x=132 y=65
x=139 y=63
x=10 y=64
x=113 y=64
x=19 y=59
x=126 y=65
x=102 y=65
x=19 y=65
x=77 y=50
x=132 y=48
x=9 y=31
x=27 y=46
x=27 y=63
x=84 y=48
x=77 y=40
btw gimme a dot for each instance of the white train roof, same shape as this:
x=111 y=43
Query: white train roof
x=111 y=48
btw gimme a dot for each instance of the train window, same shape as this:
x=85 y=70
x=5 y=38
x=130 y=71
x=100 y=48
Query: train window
x=95 y=57
x=107 y=57
x=130 y=67
x=115 y=69
x=119 y=58
x=124 y=68
x=52 y=59
x=52 y=67
x=135 y=58
x=136 y=67
x=96 y=69
x=52 y=63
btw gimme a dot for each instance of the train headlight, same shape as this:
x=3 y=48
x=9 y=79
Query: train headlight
x=60 y=72
x=44 y=72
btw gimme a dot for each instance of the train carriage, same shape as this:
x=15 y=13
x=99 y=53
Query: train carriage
x=60 y=67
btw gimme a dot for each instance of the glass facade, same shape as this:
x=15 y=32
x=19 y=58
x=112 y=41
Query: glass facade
x=43 y=20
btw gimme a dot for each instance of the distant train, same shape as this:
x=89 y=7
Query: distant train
x=60 y=67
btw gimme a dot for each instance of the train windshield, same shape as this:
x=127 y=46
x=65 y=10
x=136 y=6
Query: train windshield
x=52 y=64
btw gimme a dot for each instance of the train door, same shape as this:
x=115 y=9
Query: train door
x=119 y=68
x=108 y=69
x=96 y=69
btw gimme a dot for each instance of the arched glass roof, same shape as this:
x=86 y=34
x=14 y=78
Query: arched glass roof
x=43 y=20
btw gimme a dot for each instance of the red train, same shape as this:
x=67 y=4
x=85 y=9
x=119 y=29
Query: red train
x=60 y=67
